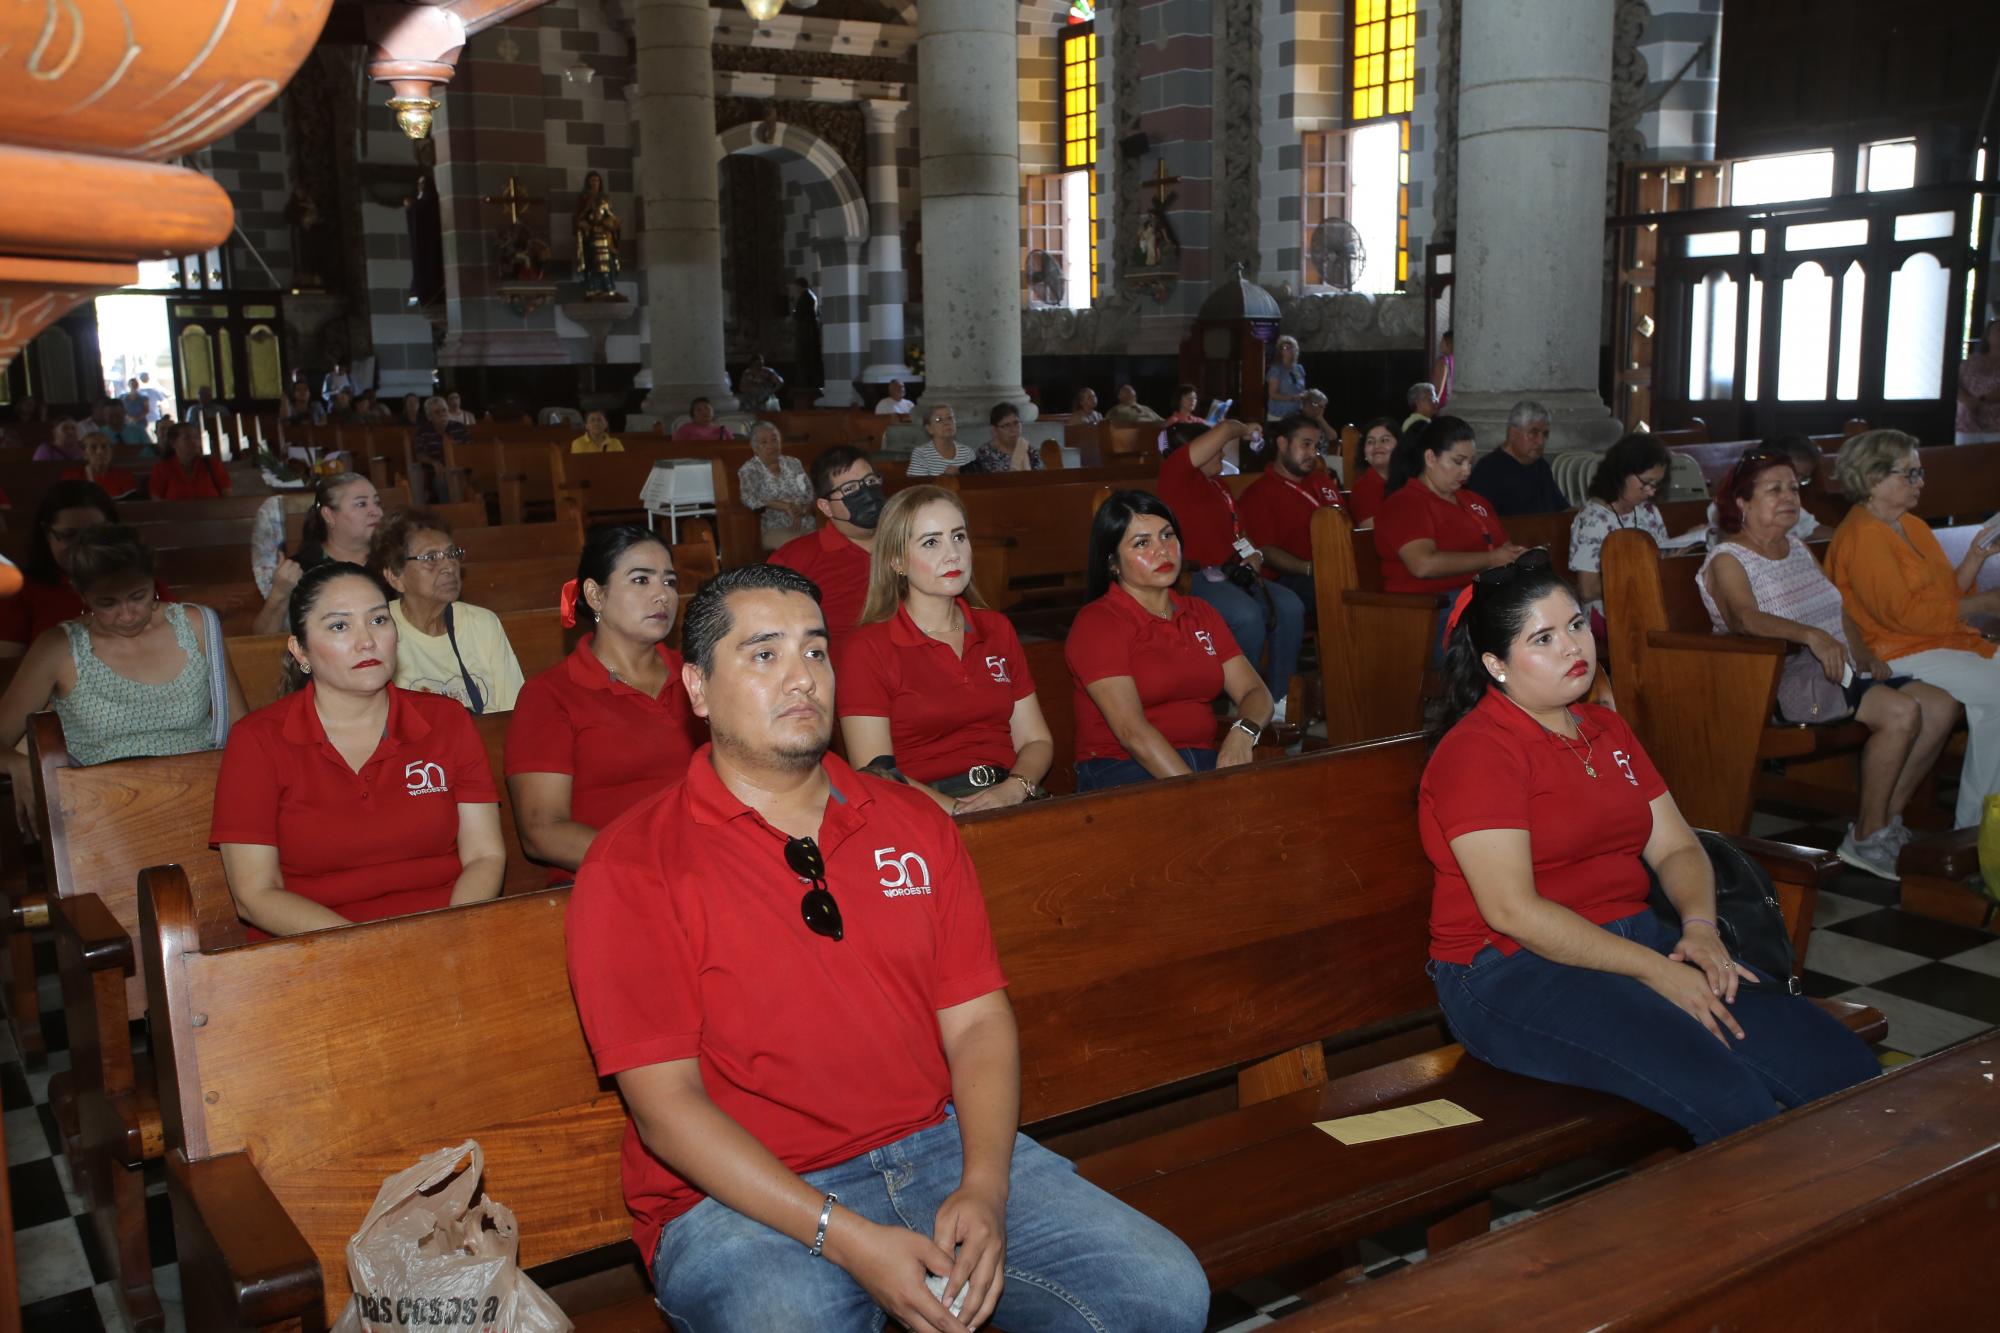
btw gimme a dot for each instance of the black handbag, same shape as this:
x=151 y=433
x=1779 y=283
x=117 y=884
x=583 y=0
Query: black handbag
x=1747 y=914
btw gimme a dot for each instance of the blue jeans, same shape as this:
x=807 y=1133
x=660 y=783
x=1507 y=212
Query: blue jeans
x=1244 y=613
x=1592 y=1029
x=1078 y=1261
x=1099 y=774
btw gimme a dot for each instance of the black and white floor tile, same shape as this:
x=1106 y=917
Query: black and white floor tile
x=1937 y=983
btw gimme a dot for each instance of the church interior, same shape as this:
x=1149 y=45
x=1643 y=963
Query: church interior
x=532 y=268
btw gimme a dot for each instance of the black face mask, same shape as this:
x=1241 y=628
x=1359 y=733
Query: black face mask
x=864 y=505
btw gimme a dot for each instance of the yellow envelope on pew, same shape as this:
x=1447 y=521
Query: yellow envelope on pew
x=1398 y=1121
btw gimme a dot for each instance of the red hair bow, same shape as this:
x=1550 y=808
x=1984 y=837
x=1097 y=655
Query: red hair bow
x=1463 y=600
x=568 y=604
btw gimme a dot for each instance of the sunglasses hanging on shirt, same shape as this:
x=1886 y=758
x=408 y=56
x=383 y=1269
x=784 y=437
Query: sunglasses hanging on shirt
x=820 y=911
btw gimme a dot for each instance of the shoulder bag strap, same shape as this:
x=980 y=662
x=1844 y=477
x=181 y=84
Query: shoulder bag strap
x=473 y=700
x=218 y=675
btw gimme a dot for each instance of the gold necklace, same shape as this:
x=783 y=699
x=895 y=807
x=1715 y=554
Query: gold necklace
x=1589 y=746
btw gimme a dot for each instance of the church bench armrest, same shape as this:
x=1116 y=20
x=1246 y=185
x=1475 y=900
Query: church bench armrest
x=1953 y=855
x=99 y=940
x=244 y=1263
x=1787 y=862
x=1688 y=641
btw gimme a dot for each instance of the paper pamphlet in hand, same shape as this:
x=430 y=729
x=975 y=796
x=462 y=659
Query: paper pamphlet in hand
x=1394 y=1124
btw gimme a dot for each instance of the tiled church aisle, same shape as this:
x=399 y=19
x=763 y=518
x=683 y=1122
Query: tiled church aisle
x=1938 y=984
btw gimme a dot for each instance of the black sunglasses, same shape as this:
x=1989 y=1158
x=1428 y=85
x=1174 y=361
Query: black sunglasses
x=1530 y=561
x=821 y=912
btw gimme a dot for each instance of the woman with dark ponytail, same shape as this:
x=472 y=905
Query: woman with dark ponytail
x=610 y=724
x=350 y=799
x=1541 y=814
x=340 y=526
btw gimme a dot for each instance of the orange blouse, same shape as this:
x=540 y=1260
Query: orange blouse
x=1901 y=590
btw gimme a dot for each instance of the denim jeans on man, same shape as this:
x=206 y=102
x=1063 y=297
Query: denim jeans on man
x=1101 y=774
x=1244 y=613
x=1593 y=1029
x=1078 y=1261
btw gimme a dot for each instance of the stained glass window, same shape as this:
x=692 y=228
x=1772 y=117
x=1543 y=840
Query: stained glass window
x=1384 y=61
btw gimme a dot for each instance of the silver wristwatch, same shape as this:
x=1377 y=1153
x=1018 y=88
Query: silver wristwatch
x=1248 y=728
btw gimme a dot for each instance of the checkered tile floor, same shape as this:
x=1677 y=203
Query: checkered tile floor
x=1938 y=984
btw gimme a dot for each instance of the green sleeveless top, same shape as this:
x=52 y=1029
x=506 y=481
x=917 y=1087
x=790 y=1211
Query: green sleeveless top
x=109 y=716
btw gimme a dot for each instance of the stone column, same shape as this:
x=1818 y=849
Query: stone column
x=970 y=171
x=1534 y=106
x=680 y=186
x=888 y=285
x=842 y=283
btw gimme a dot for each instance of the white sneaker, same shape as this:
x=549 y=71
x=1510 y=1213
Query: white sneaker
x=1875 y=854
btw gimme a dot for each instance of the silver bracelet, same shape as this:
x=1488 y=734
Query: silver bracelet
x=825 y=1216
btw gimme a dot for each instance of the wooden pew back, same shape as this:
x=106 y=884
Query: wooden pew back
x=1125 y=970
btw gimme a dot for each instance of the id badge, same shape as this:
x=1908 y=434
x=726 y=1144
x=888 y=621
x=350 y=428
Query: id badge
x=1245 y=549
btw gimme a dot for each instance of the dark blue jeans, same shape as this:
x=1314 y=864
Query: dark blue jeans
x=1572 y=1025
x=1098 y=774
x=1078 y=1260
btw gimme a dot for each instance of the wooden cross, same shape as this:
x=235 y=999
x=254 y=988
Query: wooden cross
x=1161 y=180
x=515 y=202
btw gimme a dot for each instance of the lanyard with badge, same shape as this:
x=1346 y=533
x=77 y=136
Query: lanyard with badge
x=1240 y=543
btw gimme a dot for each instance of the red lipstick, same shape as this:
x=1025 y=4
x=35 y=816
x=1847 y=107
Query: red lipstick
x=1580 y=669
x=366 y=662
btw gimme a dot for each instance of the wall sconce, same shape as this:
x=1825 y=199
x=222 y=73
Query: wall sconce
x=763 y=10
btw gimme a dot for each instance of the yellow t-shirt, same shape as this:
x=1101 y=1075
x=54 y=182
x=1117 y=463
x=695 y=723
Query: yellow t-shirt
x=583 y=444
x=427 y=663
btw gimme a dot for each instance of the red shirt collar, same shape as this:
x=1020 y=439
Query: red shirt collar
x=1126 y=605
x=303 y=727
x=904 y=632
x=586 y=670
x=833 y=541
x=1503 y=712
x=712 y=803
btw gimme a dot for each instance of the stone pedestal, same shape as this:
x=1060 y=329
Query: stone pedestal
x=888 y=284
x=680 y=185
x=597 y=318
x=970 y=176
x=1534 y=106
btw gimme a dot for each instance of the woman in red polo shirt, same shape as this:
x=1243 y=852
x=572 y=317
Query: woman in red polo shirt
x=1364 y=490
x=349 y=799
x=1541 y=815
x=187 y=473
x=610 y=724
x=1148 y=662
x=1432 y=533
x=931 y=677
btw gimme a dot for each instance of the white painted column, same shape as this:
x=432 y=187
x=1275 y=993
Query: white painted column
x=970 y=170
x=888 y=284
x=1534 y=106
x=680 y=184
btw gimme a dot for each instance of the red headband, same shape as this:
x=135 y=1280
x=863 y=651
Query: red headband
x=1463 y=600
x=568 y=604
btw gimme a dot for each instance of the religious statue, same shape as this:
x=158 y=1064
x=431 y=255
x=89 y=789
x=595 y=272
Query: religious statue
x=810 y=372
x=596 y=241
x=315 y=259
x=426 y=227
x=524 y=256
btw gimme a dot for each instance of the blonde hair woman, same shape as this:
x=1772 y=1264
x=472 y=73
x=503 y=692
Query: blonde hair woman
x=932 y=680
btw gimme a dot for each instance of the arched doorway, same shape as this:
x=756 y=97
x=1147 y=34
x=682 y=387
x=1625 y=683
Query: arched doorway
x=835 y=242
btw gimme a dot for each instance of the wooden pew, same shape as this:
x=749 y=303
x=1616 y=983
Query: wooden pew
x=1701 y=702
x=286 y=1104
x=206 y=561
x=107 y=822
x=1374 y=646
x=1870 y=1209
x=1056 y=693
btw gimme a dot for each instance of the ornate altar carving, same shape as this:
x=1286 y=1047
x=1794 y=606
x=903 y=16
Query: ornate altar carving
x=1444 y=156
x=1234 y=228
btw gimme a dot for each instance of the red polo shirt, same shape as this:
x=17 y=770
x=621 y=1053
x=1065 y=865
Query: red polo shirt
x=381 y=842
x=840 y=568
x=40 y=607
x=1176 y=663
x=685 y=942
x=115 y=481
x=618 y=744
x=1278 y=511
x=1204 y=510
x=1501 y=769
x=206 y=480
x=1364 y=499
x=946 y=711
x=1466 y=522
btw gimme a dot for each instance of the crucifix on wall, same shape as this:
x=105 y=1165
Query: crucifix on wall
x=1158 y=247
x=522 y=255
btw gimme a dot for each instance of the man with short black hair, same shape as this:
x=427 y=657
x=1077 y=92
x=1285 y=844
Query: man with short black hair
x=1278 y=507
x=836 y=554
x=786 y=965
x=1516 y=478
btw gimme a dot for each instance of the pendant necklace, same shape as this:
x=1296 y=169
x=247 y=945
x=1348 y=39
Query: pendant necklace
x=1589 y=751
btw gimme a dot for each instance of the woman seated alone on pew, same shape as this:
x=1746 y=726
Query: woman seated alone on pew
x=1541 y=815
x=132 y=676
x=610 y=724
x=443 y=645
x=931 y=678
x=1432 y=533
x=1762 y=580
x=1911 y=602
x=1364 y=492
x=1148 y=663
x=47 y=596
x=340 y=527
x=350 y=799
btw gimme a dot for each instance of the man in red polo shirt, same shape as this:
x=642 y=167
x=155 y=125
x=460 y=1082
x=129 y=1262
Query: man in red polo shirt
x=836 y=554
x=787 y=967
x=1278 y=507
